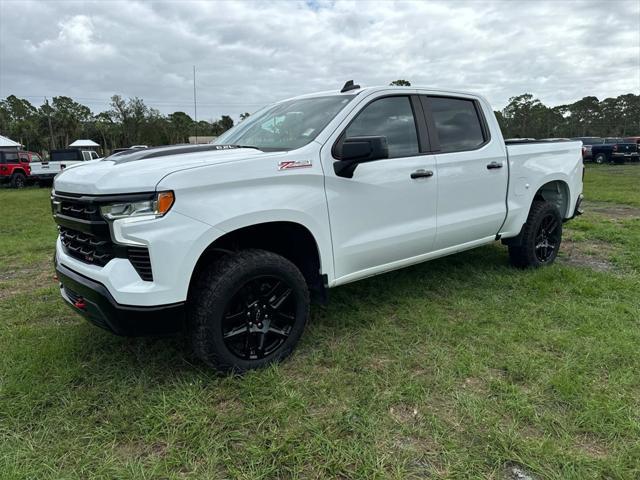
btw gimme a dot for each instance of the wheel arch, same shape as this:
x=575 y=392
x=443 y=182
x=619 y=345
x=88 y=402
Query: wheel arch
x=556 y=192
x=289 y=239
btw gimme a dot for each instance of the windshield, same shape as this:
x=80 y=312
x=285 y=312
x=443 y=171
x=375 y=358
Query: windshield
x=286 y=125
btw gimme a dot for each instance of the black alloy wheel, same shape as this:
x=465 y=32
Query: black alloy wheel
x=246 y=310
x=259 y=318
x=547 y=238
x=18 y=180
x=539 y=241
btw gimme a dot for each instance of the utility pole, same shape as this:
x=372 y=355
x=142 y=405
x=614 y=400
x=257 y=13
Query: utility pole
x=52 y=144
x=195 y=104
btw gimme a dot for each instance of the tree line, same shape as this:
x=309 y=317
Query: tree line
x=129 y=122
x=527 y=117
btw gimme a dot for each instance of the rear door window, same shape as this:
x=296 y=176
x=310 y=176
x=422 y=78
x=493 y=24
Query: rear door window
x=457 y=123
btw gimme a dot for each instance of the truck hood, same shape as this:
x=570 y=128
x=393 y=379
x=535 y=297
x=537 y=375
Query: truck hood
x=142 y=170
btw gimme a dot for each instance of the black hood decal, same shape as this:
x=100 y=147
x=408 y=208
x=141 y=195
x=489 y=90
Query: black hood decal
x=154 y=152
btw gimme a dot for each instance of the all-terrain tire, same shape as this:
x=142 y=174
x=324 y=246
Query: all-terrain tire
x=18 y=180
x=215 y=289
x=528 y=253
x=600 y=158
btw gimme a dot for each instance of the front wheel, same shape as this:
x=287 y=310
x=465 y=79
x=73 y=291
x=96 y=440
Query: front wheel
x=540 y=238
x=247 y=310
x=600 y=158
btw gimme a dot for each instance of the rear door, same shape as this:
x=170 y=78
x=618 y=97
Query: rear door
x=472 y=171
x=383 y=214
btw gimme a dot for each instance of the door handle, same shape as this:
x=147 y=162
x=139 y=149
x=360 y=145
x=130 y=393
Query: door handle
x=422 y=174
x=492 y=165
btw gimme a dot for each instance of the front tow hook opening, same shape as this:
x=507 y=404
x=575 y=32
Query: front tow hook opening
x=80 y=303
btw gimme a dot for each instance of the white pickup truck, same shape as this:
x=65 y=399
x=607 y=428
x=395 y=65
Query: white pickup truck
x=232 y=240
x=44 y=171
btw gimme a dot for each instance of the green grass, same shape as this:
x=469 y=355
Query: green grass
x=458 y=368
x=613 y=183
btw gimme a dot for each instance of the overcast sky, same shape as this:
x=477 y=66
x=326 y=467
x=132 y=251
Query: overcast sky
x=248 y=54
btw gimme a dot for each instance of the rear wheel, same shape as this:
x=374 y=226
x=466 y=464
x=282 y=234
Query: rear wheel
x=248 y=310
x=18 y=180
x=600 y=158
x=540 y=239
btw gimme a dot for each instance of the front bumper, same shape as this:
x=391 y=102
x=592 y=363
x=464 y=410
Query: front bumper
x=43 y=176
x=93 y=301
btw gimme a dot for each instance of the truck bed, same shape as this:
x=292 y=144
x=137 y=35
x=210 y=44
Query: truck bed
x=531 y=165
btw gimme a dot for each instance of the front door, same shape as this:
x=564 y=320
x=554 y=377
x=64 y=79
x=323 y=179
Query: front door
x=383 y=214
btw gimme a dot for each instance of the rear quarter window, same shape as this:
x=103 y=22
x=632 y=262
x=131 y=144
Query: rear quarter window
x=9 y=157
x=457 y=123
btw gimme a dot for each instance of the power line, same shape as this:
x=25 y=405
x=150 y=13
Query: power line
x=100 y=101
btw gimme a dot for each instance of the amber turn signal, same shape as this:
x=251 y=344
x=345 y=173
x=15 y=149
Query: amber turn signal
x=165 y=201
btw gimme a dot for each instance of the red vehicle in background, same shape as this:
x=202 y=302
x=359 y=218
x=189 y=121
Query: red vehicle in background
x=15 y=168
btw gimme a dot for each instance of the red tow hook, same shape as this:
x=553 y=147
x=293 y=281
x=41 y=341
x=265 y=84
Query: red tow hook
x=79 y=303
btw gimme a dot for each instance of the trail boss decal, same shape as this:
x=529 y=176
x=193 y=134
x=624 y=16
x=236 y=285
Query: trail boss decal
x=290 y=164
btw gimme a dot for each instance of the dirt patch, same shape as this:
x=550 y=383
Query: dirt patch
x=481 y=385
x=15 y=273
x=513 y=471
x=15 y=280
x=612 y=211
x=140 y=450
x=591 y=447
x=416 y=444
x=592 y=254
x=403 y=413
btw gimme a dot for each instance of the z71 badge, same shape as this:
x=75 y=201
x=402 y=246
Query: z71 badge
x=289 y=164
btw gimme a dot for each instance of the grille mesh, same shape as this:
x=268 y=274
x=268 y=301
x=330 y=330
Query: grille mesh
x=76 y=217
x=80 y=210
x=86 y=247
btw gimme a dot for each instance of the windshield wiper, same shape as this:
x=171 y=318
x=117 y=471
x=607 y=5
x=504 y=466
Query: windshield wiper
x=246 y=146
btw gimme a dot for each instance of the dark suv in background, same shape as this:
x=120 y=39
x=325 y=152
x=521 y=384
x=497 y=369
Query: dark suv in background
x=615 y=150
x=587 y=143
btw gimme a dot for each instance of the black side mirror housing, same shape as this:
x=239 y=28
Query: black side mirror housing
x=357 y=150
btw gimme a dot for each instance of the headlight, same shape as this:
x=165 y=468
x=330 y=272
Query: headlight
x=155 y=207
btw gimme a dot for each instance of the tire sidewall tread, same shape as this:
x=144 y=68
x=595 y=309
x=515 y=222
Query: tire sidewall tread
x=211 y=292
x=523 y=255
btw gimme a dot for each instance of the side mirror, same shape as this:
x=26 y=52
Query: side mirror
x=357 y=150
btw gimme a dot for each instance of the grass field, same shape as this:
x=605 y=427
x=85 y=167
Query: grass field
x=458 y=368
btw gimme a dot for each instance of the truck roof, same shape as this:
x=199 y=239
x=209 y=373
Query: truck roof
x=385 y=88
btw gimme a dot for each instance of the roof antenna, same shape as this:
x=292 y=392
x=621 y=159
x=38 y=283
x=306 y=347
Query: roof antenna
x=349 y=86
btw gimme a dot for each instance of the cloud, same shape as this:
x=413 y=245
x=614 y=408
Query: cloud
x=75 y=38
x=249 y=53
